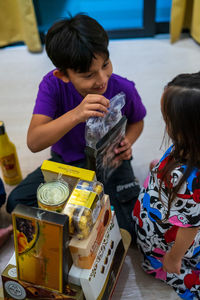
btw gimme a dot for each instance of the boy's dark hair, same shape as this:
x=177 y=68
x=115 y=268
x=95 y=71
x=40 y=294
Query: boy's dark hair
x=181 y=112
x=72 y=43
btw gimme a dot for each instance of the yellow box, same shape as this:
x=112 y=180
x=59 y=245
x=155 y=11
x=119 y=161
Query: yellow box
x=51 y=171
x=14 y=288
x=40 y=238
x=84 y=251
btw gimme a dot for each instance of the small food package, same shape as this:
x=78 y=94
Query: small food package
x=103 y=136
x=84 y=251
x=41 y=247
x=106 y=159
x=97 y=127
x=83 y=207
x=52 y=171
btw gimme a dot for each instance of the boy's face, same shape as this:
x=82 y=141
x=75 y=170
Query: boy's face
x=95 y=81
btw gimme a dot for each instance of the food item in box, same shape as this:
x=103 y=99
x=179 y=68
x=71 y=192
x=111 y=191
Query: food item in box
x=80 y=220
x=17 y=289
x=84 y=251
x=83 y=207
x=52 y=195
x=41 y=238
x=94 y=186
x=52 y=170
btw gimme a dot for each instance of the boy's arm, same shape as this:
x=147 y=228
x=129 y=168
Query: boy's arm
x=133 y=131
x=44 y=131
x=184 y=239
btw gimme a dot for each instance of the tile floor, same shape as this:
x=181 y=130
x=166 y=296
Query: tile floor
x=151 y=63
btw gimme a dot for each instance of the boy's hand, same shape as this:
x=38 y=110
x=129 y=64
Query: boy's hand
x=124 y=151
x=170 y=264
x=92 y=106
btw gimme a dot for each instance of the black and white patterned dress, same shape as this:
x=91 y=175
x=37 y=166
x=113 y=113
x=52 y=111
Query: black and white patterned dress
x=155 y=238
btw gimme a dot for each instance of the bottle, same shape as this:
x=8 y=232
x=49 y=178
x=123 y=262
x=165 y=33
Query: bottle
x=8 y=159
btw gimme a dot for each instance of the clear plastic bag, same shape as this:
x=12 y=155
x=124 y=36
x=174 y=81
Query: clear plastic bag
x=106 y=162
x=97 y=127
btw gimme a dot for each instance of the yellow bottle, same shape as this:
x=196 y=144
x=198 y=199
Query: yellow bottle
x=8 y=159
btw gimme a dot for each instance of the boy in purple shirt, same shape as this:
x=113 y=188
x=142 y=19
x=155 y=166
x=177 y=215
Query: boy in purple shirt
x=79 y=88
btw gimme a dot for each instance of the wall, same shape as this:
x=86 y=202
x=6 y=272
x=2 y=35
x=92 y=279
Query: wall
x=111 y=14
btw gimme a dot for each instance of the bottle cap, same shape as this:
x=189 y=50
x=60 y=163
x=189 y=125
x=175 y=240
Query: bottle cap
x=2 y=128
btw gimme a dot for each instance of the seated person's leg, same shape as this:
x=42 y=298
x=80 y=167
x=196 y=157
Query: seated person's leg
x=26 y=192
x=123 y=189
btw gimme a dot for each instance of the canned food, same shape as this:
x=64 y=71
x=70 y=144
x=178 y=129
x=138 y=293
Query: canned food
x=52 y=195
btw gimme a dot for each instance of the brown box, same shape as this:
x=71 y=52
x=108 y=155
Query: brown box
x=17 y=289
x=41 y=239
x=84 y=251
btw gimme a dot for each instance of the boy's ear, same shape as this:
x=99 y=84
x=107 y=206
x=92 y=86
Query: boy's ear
x=61 y=75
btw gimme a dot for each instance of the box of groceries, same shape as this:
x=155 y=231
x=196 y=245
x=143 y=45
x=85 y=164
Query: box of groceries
x=41 y=247
x=84 y=251
x=94 y=281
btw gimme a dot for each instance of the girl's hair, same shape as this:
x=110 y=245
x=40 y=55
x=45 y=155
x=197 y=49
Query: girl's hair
x=72 y=43
x=181 y=113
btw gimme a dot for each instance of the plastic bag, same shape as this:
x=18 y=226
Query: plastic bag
x=102 y=159
x=97 y=127
x=106 y=162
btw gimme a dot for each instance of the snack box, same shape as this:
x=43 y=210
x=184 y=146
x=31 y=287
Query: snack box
x=14 y=288
x=84 y=251
x=41 y=247
x=98 y=282
x=52 y=171
x=83 y=207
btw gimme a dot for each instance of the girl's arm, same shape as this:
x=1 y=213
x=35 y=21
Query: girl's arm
x=173 y=258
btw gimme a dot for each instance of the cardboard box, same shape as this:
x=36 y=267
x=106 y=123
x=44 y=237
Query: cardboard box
x=84 y=251
x=52 y=170
x=94 y=281
x=116 y=266
x=41 y=239
x=17 y=289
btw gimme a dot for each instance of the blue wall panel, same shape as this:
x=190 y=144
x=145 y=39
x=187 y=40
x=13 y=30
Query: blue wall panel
x=111 y=14
x=163 y=9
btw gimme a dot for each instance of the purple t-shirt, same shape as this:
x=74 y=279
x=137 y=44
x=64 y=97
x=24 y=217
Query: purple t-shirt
x=56 y=97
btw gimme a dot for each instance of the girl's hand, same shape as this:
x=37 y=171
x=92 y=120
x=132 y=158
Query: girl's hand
x=170 y=264
x=92 y=105
x=124 y=151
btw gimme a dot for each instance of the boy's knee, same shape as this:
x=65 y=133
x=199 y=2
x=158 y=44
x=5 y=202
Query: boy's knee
x=12 y=201
x=17 y=197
